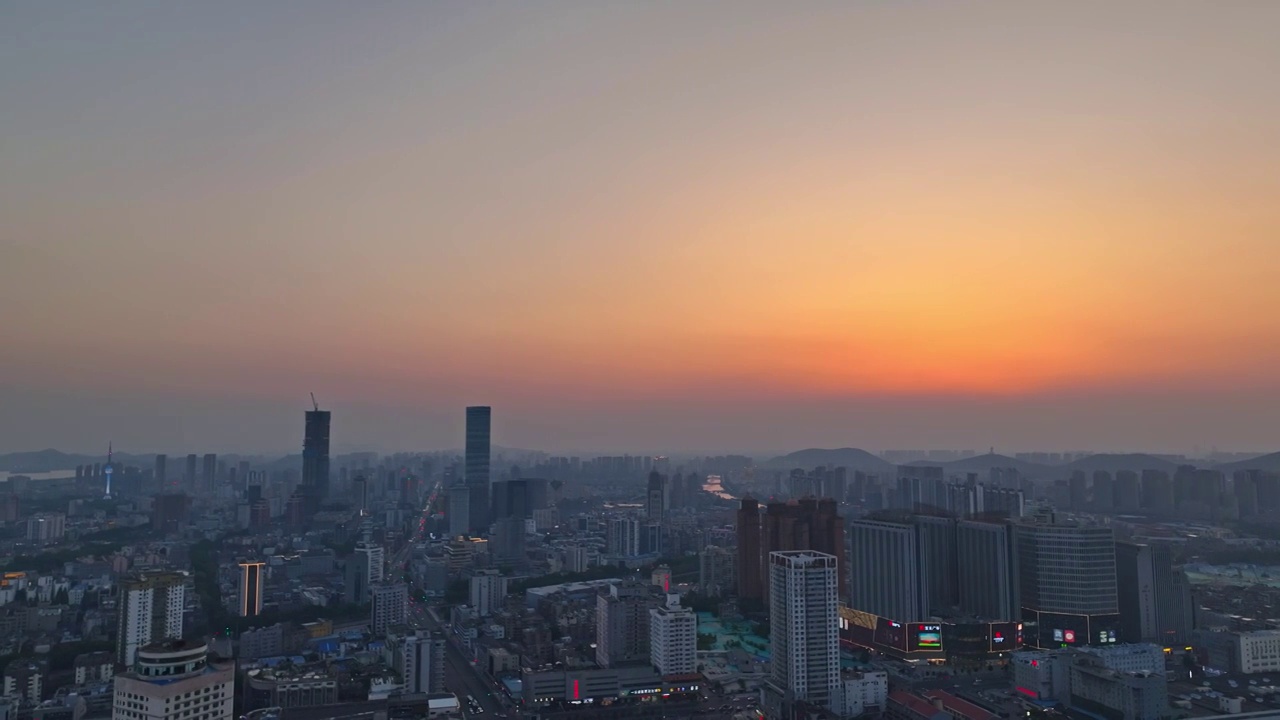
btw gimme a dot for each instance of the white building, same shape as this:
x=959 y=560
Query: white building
x=576 y=558
x=1138 y=657
x=419 y=658
x=174 y=681
x=804 y=637
x=673 y=638
x=24 y=679
x=149 y=610
x=1258 y=651
x=374 y=557
x=488 y=592
x=390 y=607
x=862 y=693
x=47 y=528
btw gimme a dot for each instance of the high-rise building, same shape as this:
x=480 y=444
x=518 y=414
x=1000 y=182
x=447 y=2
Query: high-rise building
x=716 y=566
x=251 y=588
x=189 y=474
x=1067 y=583
x=623 y=537
x=1153 y=594
x=890 y=580
x=390 y=607
x=622 y=622
x=209 y=473
x=921 y=487
x=420 y=661
x=315 y=455
x=149 y=610
x=47 y=528
x=805 y=524
x=24 y=680
x=987 y=573
x=174 y=680
x=459 y=515
x=804 y=632
x=656 y=498
x=510 y=508
x=365 y=568
x=161 y=473
x=477 y=459
x=937 y=536
x=673 y=638
x=488 y=592
x=750 y=584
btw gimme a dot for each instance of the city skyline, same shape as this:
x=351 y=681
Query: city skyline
x=745 y=228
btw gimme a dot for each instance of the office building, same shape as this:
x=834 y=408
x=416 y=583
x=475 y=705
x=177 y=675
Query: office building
x=510 y=509
x=622 y=622
x=315 y=456
x=1067 y=583
x=657 y=498
x=390 y=607
x=890 y=580
x=937 y=537
x=749 y=568
x=804 y=632
x=209 y=473
x=1116 y=694
x=673 y=638
x=251 y=588
x=161 y=473
x=987 y=574
x=488 y=592
x=149 y=609
x=477 y=466
x=459 y=515
x=174 y=680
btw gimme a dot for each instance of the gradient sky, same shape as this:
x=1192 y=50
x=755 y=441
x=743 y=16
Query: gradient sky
x=653 y=227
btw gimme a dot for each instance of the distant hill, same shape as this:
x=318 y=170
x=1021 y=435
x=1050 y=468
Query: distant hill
x=1270 y=463
x=982 y=464
x=41 y=461
x=852 y=458
x=1112 y=462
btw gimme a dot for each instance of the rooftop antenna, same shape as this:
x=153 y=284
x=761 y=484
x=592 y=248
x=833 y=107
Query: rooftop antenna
x=315 y=404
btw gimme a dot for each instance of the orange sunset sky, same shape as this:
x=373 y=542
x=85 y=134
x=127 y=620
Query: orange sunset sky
x=655 y=227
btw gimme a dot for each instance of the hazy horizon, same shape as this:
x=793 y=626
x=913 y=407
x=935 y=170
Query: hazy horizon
x=714 y=227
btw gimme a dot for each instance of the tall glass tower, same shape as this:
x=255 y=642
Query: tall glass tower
x=315 y=454
x=477 y=465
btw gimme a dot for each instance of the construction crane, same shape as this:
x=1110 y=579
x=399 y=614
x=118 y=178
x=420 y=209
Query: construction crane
x=315 y=404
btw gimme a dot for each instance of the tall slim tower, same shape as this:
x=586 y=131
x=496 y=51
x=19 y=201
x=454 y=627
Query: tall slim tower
x=315 y=455
x=477 y=465
x=161 y=472
x=251 y=588
x=804 y=635
x=107 y=470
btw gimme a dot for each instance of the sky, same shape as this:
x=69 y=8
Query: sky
x=649 y=227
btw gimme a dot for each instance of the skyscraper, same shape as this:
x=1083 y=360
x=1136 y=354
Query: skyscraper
x=477 y=465
x=161 y=473
x=149 y=610
x=656 y=499
x=890 y=579
x=804 y=631
x=251 y=588
x=459 y=515
x=805 y=524
x=189 y=474
x=937 y=537
x=750 y=585
x=1153 y=594
x=315 y=455
x=987 y=574
x=510 y=508
x=1067 y=583
x=209 y=473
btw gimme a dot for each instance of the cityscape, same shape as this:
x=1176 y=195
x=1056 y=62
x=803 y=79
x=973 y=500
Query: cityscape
x=583 y=360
